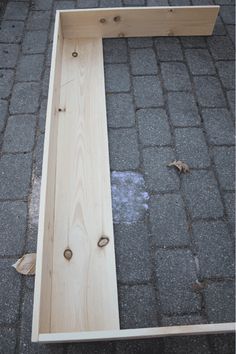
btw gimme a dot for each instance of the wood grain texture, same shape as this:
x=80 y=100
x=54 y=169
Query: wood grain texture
x=43 y=281
x=139 y=333
x=84 y=289
x=140 y=22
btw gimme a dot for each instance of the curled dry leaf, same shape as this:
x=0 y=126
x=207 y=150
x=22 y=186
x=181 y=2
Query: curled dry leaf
x=26 y=264
x=180 y=165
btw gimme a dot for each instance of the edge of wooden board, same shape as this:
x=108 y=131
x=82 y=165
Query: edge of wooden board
x=125 y=334
x=137 y=8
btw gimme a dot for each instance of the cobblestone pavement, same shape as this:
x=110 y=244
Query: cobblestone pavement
x=167 y=98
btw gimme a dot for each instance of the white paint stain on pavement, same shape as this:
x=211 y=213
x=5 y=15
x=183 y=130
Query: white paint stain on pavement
x=129 y=198
x=34 y=201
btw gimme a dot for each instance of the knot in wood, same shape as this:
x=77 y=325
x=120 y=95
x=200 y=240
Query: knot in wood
x=74 y=54
x=103 y=241
x=116 y=19
x=68 y=254
x=102 y=20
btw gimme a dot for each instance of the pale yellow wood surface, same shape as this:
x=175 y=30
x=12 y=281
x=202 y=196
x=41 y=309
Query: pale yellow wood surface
x=84 y=289
x=136 y=22
x=43 y=281
x=139 y=333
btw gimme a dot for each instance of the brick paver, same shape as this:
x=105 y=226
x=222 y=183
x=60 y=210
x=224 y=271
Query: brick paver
x=167 y=98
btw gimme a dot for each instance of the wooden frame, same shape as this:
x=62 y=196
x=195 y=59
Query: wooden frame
x=75 y=295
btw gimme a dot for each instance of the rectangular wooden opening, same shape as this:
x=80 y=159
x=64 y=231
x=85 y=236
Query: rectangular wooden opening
x=76 y=299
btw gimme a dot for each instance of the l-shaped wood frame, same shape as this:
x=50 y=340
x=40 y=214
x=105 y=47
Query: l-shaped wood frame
x=75 y=288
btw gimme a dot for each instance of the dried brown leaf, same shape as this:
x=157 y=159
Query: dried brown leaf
x=180 y=165
x=26 y=264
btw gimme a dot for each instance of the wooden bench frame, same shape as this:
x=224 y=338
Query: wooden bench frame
x=75 y=295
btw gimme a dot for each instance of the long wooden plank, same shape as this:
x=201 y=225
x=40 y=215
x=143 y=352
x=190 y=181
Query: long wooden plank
x=84 y=288
x=139 y=333
x=139 y=22
x=42 y=290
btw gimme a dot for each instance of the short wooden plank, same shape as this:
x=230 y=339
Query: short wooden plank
x=139 y=22
x=42 y=290
x=139 y=333
x=84 y=289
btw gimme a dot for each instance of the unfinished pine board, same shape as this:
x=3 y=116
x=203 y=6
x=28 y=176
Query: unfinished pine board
x=138 y=333
x=138 y=22
x=84 y=289
x=76 y=296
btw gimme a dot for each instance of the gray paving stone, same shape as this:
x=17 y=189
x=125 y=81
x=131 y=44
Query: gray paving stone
x=115 y=50
x=117 y=77
x=49 y=55
x=193 y=42
x=191 y=147
x=42 y=115
x=3 y=114
x=229 y=199
x=200 y=62
x=209 y=91
x=26 y=346
x=25 y=98
x=120 y=110
x=150 y=346
x=219 y=300
x=158 y=176
x=224 y=2
x=221 y=47
x=34 y=42
x=8 y=55
x=202 y=195
x=7 y=340
x=224 y=159
x=214 y=249
x=42 y=4
x=88 y=348
x=227 y=14
x=226 y=70
x=157 y=3
x=231 y=99
x=45 y=83
x=231 y=32
x=168 y=221
x=9 y=292
x=219 y=126
x=175 y=76
x=16 y=10
x=182 y=320
x=39 y=155
x=147 y=91
x=137 y=306
x=6 y=82
x=134 y=2
x=87 y=3
x=223 y=343
x=13 y=217
x=19 y=134
x=38 y=20
x=140 y=42
x=123 y=147
x=110 y=3
x=202 y=2
x=168 y=49
x=219 y=29
x=15 y=175
x=187 y=344
x=153 y=126
x=176 y=274
x=11 y=31
x=65 y=5
x=179 y=2
x=183 y=109
x=30 y=67
x=132 y=253
x=143 y=61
